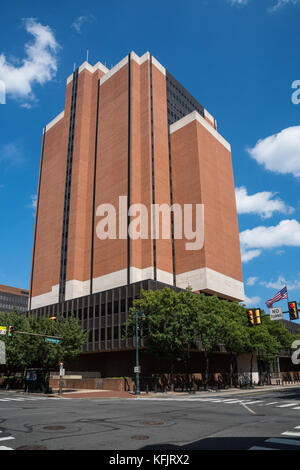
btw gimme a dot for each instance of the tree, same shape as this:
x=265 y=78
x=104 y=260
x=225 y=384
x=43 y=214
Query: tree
x=168 y=326
x=208 y=325
x=23 y=350
x=234 y=333
x=18 y=347
x=277 y=330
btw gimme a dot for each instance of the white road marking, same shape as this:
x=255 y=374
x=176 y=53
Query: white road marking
x=261 y=448
x=290 y=442
x=228 y=400
x=6 y=448
x=232 y=401
x=286 y=406
x=252 y=402
x=249 y=409
x=291 y=433
x=6 y=438
x=272 y=403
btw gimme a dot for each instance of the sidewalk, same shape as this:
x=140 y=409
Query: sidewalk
x=118 y=394
x=90 y=394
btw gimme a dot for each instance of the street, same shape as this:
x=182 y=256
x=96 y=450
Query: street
x=242 y=421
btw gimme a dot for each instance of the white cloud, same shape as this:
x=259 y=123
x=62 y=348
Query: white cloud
x=279 y=152
x=33 y=203
x=39 y=65
x=282 y=3
x=248 y=255
x=80 y=21
x=253 y=241
x=251 y=281
x=281 y=282
x=251 y=301
x=279 y=4
x=262 y=203
x=286 y=233
x=238 y=2
x=11 y=154
x=33 y=198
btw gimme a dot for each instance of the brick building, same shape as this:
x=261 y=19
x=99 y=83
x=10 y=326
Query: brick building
x=12 y=298
x=133 y=131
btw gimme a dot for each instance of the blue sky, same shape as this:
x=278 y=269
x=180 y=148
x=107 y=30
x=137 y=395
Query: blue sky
x=239 y=58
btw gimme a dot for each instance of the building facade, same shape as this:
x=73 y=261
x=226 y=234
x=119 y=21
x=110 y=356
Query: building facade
x=135 y=132
x=12 y=298
x=128 y=136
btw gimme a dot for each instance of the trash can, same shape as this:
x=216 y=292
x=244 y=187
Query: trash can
x=37 y=381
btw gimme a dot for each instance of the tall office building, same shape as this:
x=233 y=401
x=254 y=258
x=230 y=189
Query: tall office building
x=130 y=135
x=13 y=299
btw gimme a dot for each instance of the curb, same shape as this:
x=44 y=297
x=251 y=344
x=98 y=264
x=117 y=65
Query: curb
x=90 y=393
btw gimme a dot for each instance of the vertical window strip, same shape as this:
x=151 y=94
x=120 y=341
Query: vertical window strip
x=36 y=216
x=153 y=172
x=94 y=189
x=64 y=244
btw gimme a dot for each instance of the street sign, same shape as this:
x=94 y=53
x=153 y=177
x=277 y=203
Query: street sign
x=62 y=371
x=276 y=313
x=52 y=340
x=137 y=369
x=2 y=353
x=3 y=330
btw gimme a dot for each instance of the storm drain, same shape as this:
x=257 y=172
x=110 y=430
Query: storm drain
x=32 y=448
x=54 y=428
x=152 y=423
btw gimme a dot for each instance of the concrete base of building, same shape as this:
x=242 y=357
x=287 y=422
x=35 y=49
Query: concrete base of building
x=114 y=370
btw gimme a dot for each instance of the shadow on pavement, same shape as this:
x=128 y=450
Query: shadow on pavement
x=225 y=443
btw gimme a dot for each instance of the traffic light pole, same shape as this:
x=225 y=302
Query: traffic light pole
x=37 y=334
x=137 y=374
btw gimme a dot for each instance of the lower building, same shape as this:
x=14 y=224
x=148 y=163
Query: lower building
x=12 y=298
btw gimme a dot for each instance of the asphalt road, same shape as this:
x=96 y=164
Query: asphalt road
x=256 y=420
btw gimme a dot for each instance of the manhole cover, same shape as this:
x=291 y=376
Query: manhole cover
x=139 y=438
x=32 y=448
x=54 y=428
x=152 y=423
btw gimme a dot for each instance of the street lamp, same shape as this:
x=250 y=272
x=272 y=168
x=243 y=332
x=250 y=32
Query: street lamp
x=137 y=366
x=61 y=366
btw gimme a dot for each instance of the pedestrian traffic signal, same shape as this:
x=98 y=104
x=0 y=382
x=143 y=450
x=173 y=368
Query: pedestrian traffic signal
x=293 y=311
x=257 y=316
x=250 y=316
x=10 y=331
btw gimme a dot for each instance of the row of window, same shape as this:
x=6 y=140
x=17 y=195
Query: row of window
x=9 y=307
x=13 y=299
x=179 y=91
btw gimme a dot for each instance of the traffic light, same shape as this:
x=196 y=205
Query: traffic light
x=10 y=331
x=293 y=310
x=257 y=316
x=250 y=315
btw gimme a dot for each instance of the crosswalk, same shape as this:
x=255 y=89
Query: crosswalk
x=228 y=401
x=5 y=438
x=288 y=441
x=25 y=398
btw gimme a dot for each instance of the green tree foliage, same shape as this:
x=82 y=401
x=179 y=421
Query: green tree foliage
x=175 y=320
x=208 y=325
x=32 y=351
x=168 y=324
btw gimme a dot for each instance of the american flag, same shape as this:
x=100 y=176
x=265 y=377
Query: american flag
x=282 y=294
